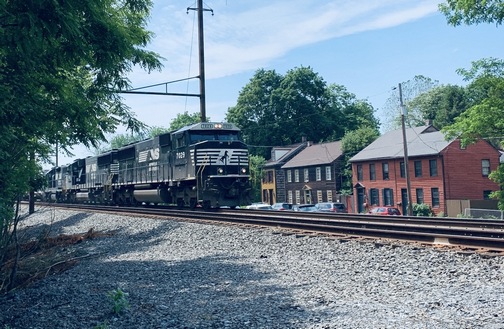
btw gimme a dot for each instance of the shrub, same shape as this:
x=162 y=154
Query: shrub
x=422 y=209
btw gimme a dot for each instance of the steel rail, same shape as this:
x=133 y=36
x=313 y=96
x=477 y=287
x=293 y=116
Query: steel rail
x=487 y=235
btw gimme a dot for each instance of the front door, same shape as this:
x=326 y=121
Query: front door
x=308 y=196
x=361 y=199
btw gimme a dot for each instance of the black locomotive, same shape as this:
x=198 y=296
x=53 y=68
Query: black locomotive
x=205 y=164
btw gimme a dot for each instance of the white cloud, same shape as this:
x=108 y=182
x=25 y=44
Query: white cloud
x=243 y=36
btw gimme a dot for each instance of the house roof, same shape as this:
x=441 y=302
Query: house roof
x=421 y=141
x=290 y=151
x=316 y=155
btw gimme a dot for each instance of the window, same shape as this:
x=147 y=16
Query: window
x=289 y=176
x=318 y=174
x=329 y=195
x=486 y=194
x=180 y=140
x=402 y=169
x=306 y=177
x=268 y=176
x=419 y=196
x=388 y=197
x=418 y=168
x=289 y=196
x=485 y=167
x=385 y=171
x=435 y=196
x=328 y=173
x=298 y=197
x=374 y=196
x=433 y=167
x=296 y=175
x=360 y=173
x=372 y=171
x=319 y=196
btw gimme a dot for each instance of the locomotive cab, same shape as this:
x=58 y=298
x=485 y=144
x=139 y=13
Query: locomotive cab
x=211 y=159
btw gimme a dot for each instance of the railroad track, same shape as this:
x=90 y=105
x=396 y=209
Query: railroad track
x=469 y=234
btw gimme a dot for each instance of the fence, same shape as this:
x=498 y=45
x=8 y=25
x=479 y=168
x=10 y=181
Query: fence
x=483 y=213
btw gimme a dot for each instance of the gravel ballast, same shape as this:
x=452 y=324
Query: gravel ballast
x=187 y=275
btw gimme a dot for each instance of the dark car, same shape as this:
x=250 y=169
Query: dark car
x=385 y=211
x=304 y=207
x=331 y=207
x=282 y=206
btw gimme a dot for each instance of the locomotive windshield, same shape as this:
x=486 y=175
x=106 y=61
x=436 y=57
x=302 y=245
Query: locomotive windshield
x=214 y=136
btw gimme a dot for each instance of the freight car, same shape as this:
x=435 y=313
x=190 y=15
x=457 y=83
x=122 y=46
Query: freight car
x=205 y=164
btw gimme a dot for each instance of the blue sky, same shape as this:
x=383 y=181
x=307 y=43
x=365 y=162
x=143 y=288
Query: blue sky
x=368 y=46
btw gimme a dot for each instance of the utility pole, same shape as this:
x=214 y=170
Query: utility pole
x=201 y=46
x=405 y=148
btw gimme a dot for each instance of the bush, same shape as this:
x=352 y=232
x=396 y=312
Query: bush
x=422 y=209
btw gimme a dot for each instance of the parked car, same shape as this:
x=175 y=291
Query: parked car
x=304 y=207
x=282 y=206
x=259 y=206
x=385 y=211
x=331 y=207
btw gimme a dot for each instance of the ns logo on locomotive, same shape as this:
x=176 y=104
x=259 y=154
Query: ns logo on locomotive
x=203 y=164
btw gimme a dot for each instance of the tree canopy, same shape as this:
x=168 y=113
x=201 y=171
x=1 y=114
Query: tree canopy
x=61 y=63
x=280 y=110
x=120 y=140
x=185 y=119
x=485 y=116
x=410 y=90
x=440 y=105
x=473 y=11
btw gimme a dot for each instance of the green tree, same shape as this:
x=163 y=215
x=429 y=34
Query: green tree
x=280 y=110
x=350 y=113
x=60 y=65
x=256 y=164
x=254 y=112
x=410 y=90
x=473 y=11
x=441 y=104
x=301 y=108
x=485 y=118
x=184 y=119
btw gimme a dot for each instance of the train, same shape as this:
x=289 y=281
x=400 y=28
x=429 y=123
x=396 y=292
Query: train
x=201 y=165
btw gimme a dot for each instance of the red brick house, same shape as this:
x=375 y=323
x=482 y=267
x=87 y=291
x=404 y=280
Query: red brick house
x=441 y=172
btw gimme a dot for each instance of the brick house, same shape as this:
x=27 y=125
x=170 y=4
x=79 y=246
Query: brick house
x=442 y=173
x=273 y=177
x=314 y=174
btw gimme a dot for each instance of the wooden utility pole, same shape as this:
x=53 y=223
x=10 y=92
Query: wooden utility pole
x=405 y=148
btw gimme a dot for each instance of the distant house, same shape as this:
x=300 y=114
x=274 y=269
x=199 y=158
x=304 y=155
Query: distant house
x=442 y=173
x=314 y=174
x=273 y=179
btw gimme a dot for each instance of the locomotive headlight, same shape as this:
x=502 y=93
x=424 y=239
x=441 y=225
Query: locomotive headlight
x=220 y=171
x=244 y=170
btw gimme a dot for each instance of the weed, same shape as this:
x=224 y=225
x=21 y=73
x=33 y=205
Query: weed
x=119 y=299
x=103 y=325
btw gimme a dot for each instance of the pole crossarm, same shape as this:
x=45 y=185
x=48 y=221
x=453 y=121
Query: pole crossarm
x=156 y=93
x=165 y=93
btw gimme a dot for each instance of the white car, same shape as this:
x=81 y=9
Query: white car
x=260 y=206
